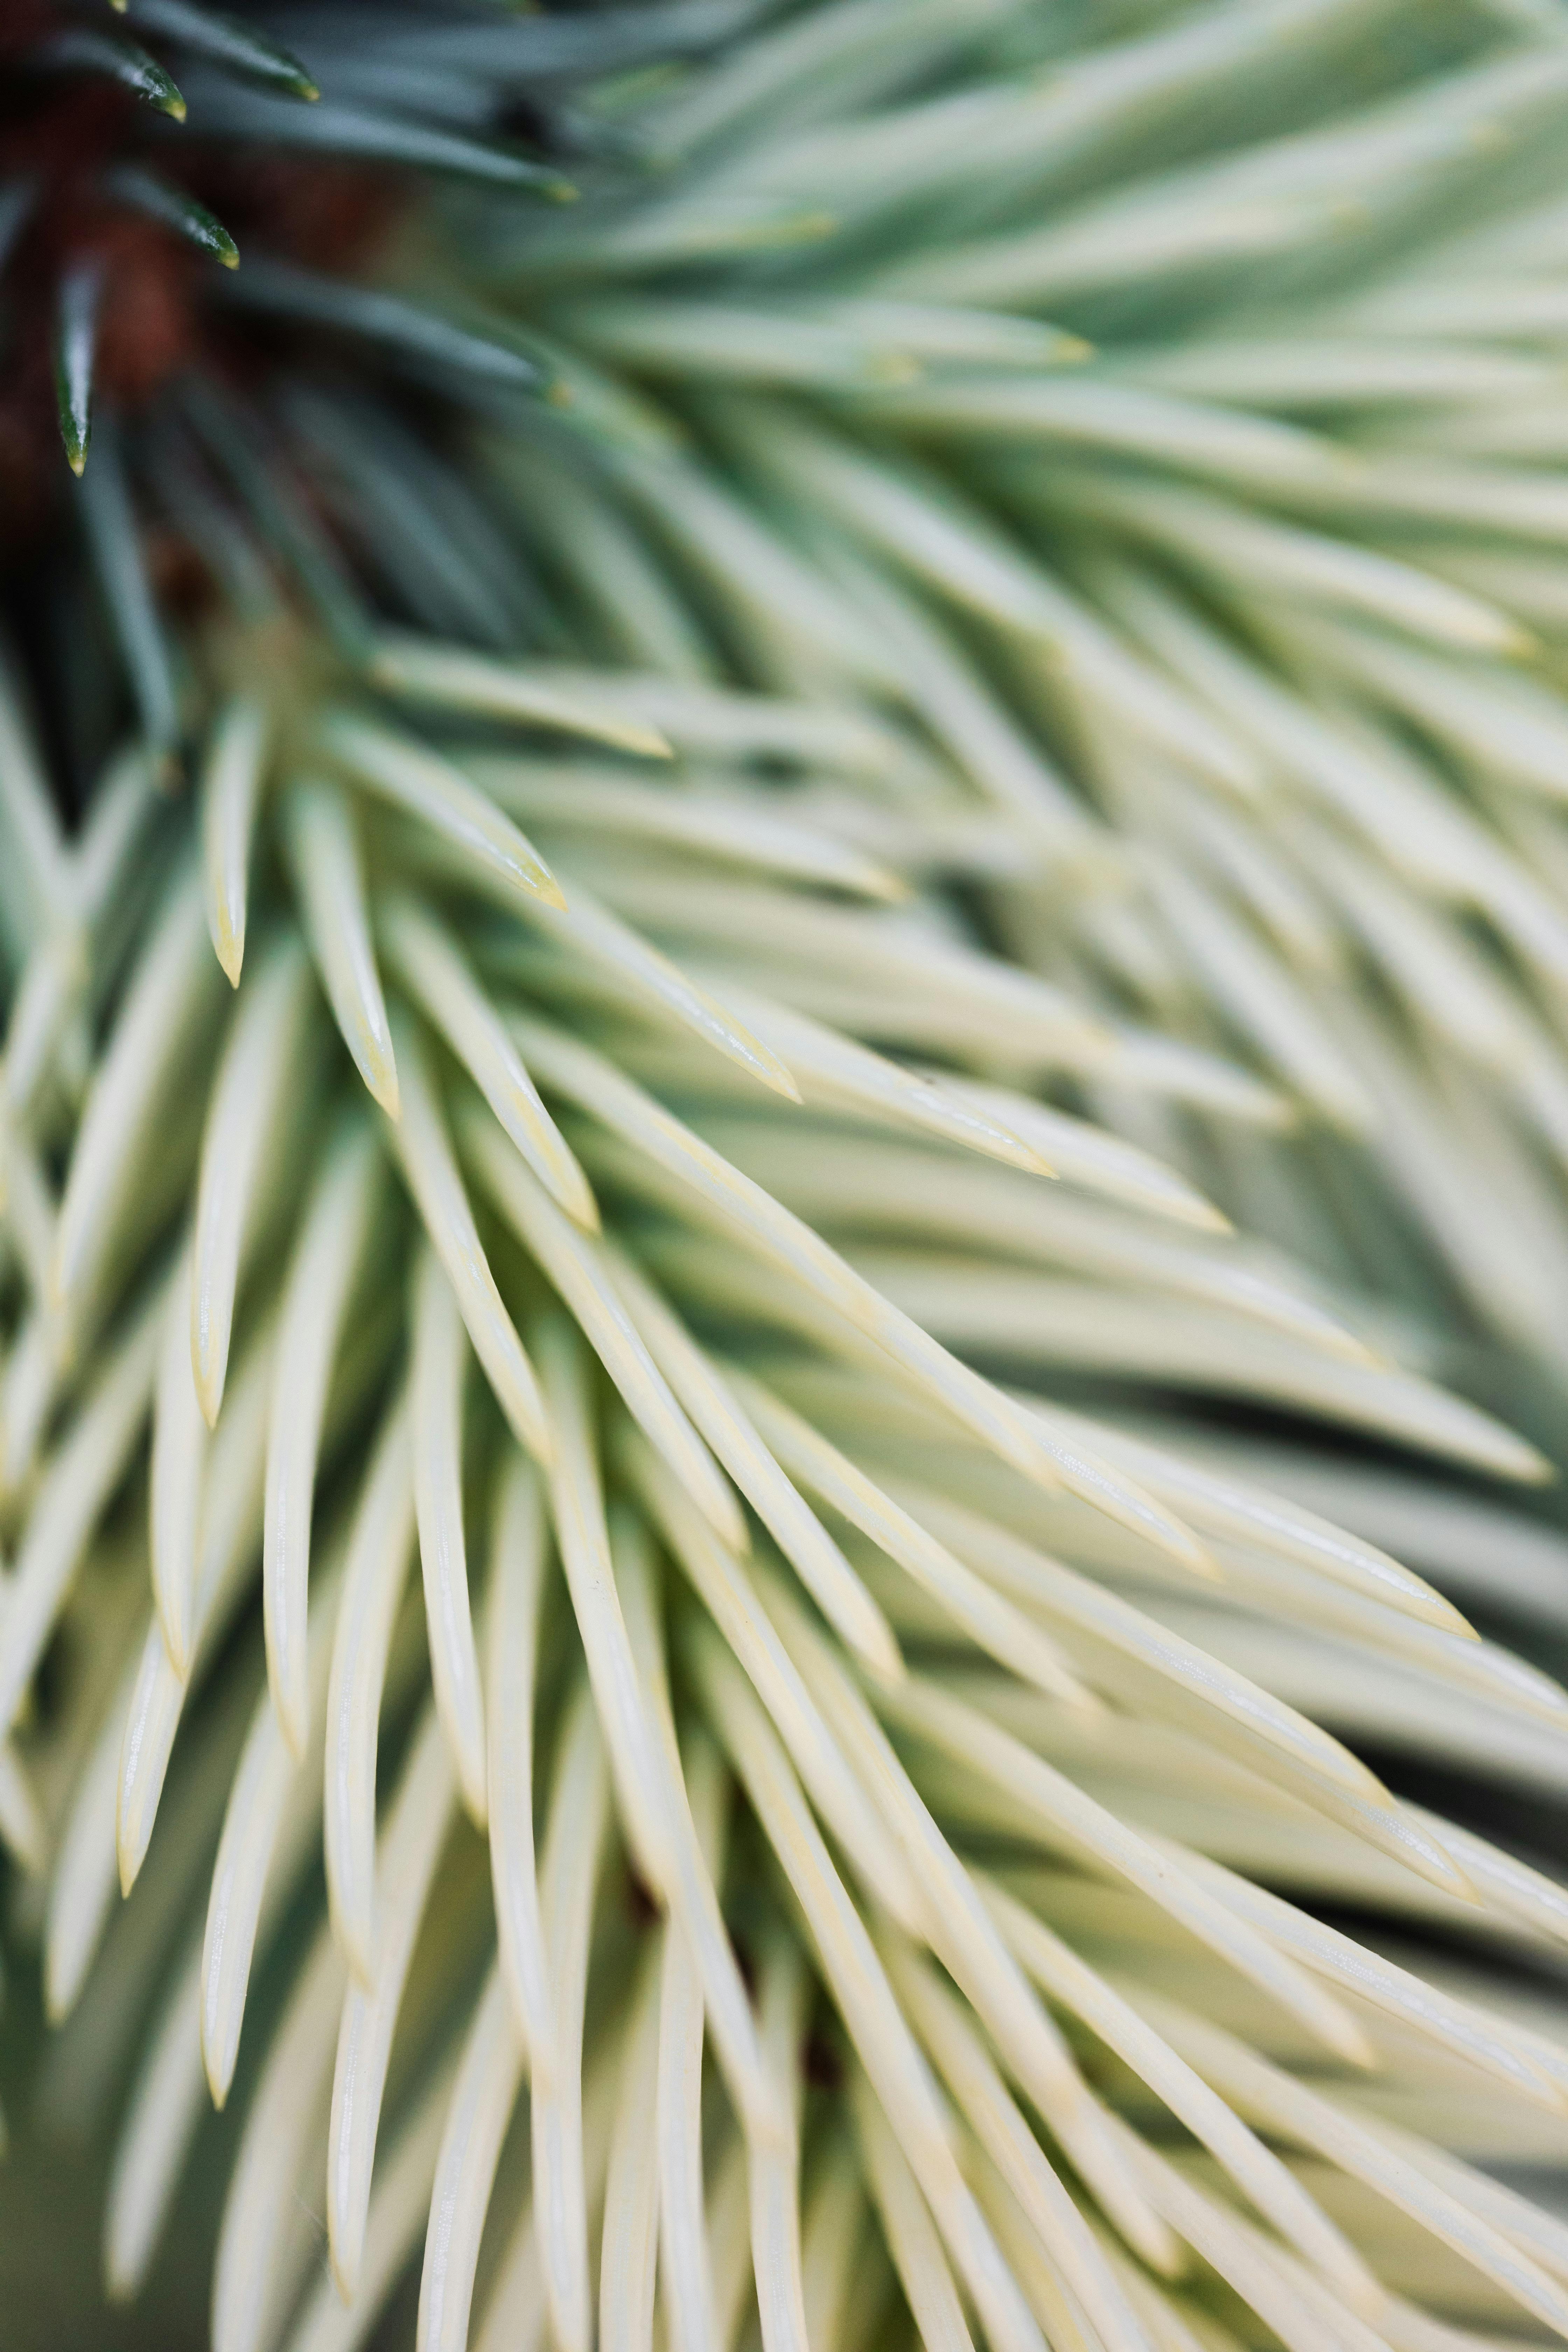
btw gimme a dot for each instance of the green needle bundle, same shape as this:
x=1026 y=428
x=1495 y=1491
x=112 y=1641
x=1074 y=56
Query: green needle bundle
x=783 y=884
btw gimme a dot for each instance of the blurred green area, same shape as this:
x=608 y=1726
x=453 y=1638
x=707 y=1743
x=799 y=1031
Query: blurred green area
x=52 y=2185
x=51 y=2205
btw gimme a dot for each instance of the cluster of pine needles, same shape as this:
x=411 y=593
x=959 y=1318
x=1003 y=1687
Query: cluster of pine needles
x=833 y=964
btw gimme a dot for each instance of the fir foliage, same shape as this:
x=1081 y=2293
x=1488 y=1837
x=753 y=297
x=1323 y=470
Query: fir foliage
x=812 y=917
